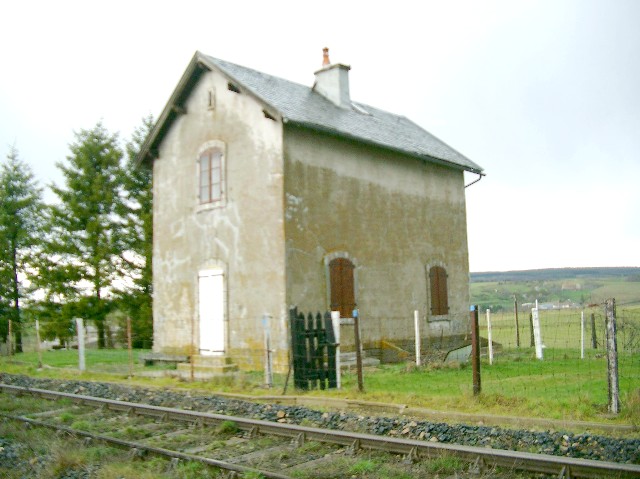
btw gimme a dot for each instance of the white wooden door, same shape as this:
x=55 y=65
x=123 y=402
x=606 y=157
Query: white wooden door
x=211 y=311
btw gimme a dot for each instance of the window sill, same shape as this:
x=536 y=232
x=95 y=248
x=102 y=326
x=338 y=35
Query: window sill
x=439 y=318
x=210 y=206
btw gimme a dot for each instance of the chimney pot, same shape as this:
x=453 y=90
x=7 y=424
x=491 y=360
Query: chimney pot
x=332 y=81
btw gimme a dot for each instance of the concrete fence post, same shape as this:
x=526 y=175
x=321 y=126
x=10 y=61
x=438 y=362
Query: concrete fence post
x=80 y=330
x=537 y=335
x=416 y=325
x=38 y=344
x=612 y=356
x=335 y=322
x=490 y=336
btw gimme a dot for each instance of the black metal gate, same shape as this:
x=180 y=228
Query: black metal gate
x=313 y=348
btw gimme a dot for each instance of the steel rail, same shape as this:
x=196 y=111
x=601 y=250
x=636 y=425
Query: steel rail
x=544 y=463
x=150 y=449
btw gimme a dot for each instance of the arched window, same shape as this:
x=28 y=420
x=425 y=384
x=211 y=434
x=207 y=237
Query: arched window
x=439 y=294
x=211 y=175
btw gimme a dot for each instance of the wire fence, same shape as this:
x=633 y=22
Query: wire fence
x=573 y=369
x=73 y=344
x=573 y=358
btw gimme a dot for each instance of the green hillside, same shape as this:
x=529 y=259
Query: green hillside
x=559 y=287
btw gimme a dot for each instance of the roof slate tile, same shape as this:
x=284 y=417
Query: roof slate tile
x=301 y=105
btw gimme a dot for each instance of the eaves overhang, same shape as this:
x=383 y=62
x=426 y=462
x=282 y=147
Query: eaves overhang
x=176 y=105
x=414 y=154
x=295 y=104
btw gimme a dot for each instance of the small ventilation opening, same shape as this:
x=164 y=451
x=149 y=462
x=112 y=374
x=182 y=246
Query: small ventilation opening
x=233 y=88
x=268 y=115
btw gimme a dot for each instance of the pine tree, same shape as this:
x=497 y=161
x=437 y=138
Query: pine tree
x=21 y=210
x=136 y=300
x=83 y=260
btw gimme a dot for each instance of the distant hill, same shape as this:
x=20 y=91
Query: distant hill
x=551 y=274
x=562 y=287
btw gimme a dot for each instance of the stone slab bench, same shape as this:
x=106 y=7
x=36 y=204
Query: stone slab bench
x=151 y=358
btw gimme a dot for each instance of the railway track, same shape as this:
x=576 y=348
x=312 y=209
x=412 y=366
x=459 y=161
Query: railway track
x=270 y=449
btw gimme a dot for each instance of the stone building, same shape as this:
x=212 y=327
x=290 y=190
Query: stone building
x=269 y=194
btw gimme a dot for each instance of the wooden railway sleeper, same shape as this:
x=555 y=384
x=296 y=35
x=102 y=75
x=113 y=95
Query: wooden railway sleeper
x=173 y=464
x=565 y=473
x=412 y=457
x=299 y=440
x=478 y=466
x=353 y=448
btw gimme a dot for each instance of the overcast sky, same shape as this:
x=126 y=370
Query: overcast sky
x=544 y=95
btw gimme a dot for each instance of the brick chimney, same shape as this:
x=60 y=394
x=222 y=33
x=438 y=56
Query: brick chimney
x=332 y=81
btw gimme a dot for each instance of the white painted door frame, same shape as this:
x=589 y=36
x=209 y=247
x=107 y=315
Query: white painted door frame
x=211 y=308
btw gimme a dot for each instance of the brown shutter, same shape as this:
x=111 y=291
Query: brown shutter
x=342 y=286
x=439 y=294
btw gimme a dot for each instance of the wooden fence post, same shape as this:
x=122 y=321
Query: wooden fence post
x=356 y=325
x=515 y=309
x=129 y=347
x=612 y=356
x=320 y=344
x=532 y=343
x=268 y=370
x=298 y=349
x=9 y=345
x=594 y=338
x=582 y=335
x=475 y=350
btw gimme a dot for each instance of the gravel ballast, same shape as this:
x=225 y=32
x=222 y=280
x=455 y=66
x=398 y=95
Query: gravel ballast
x=587 y=446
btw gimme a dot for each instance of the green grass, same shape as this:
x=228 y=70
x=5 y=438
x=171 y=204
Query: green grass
x=561 y=386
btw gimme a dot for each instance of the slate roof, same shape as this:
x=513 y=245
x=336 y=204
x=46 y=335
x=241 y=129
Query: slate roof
x=299 y=104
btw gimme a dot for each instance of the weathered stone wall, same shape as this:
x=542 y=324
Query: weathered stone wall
x=394 y=216
x=244 y=235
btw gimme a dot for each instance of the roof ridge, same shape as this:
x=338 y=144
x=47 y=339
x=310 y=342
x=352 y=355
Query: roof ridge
x=300 y=104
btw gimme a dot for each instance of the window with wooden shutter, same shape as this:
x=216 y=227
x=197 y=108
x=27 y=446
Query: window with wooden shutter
x=342 y=286
x=439 y=294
